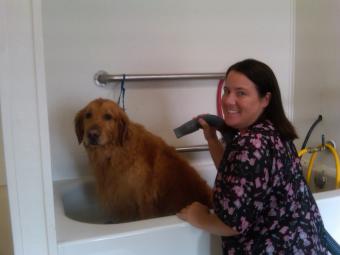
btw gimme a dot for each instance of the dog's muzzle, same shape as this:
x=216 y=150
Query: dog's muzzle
x=93 y=136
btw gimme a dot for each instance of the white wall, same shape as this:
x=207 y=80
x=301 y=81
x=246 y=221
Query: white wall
x=131 y=36
x=317 y=73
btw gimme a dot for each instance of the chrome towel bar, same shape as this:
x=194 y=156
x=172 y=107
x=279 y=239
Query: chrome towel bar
x=101 y=78
x=194 y=148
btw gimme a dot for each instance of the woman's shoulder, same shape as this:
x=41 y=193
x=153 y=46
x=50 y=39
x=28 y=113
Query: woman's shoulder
x=264 y=126
x=264 y=129
x=262 y=132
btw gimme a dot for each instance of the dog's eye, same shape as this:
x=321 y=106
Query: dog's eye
x=107 y=116
x=88 y=115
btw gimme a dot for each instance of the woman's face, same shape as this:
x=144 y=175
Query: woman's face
x=241 y=102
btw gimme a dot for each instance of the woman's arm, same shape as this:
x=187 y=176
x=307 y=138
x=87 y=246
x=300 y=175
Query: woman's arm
x=215 y=146
x=199 y=216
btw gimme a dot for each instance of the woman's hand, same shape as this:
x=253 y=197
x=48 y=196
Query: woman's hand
x=195 y=214
x=209 y=131
x=199 y=216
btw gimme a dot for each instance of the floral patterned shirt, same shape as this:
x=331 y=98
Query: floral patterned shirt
x=260 y=192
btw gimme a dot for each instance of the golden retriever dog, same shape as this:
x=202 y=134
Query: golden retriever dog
x=138 y=176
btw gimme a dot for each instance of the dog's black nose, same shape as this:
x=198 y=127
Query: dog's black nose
x=93 y=136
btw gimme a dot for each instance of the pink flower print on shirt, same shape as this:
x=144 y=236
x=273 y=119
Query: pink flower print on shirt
x=273 y=226
x=252 y=161
x=225 y=204
x=256 y=143
x=269 y=247
x=287 y=238
x=243 y=181
x=283 y=230
x=226 y=207
x=249 y=245
x=242 y=142
x=302 y=187
x=303 y=236
x=239 y=191
x=282 y=211
x=237 y=203
x=289 y=189
x=244 y=223
x=279 y=164
x=257 y=182
x=266 y=174
x=278 y=145
x=276 y=181
x=231 y=251
x=258 y=205
x=243 y=156
x=257 y=154
x=231 y=210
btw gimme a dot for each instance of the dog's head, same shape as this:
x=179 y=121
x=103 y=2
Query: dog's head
x=101 y=122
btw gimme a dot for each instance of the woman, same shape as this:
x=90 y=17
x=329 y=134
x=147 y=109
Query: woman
x=262 y=204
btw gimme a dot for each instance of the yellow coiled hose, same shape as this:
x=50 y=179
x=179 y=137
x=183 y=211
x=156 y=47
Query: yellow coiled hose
x=313 y=157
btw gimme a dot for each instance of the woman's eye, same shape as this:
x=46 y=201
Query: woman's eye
x=88 y=115
x=107 y=116
x=226 y=90
x=241 y=93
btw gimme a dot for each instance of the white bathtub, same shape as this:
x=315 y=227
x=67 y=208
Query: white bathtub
x=159 y=236
x=165 y=236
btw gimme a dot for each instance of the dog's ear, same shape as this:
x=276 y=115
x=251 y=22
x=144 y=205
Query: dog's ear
x=79 y=125
x=122 y=126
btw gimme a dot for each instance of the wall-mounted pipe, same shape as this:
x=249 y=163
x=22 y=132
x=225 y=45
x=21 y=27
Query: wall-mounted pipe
x=102 y=78
x=195 y=148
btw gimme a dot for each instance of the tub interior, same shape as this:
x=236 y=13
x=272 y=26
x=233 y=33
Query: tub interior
x=80 y=203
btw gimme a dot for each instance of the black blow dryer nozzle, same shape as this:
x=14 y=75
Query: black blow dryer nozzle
x=187 y=128
x=213 y=120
